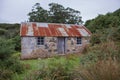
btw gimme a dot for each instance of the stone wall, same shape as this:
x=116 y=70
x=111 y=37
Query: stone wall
x=30 y=49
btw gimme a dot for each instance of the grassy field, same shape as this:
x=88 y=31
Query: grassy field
x=68 y=62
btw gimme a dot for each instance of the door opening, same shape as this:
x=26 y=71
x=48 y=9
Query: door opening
x=61 y=45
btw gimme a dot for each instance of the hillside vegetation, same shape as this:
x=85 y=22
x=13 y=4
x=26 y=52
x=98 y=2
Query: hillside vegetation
x=11 y=32
x=100 y=60
x=9 y=45
x=105 y=27
x=102 y=22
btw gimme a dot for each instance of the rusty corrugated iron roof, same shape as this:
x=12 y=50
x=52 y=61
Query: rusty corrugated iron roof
x=53 y=29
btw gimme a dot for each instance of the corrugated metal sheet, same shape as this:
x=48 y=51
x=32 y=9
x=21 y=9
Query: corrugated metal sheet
x=53 y=29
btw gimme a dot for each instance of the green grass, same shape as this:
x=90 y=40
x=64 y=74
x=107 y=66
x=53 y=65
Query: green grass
x=69 y=62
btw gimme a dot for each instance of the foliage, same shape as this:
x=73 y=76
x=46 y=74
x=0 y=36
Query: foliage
x=95 y=39
x=102 y=58
x=17 y=42
x=5 y=74
x=88 y=59
x=106 y=35
x=57 y=68
x=102 y=22
x=6 y=48
x=13 y=65
x=38 y=14
x=8 y=64
x=101 y=70
x=2 y=31
x=9 y=67
x=114 y=34
x=56 y=14
x=105 y=27
x=11 y=31
x=101 y=52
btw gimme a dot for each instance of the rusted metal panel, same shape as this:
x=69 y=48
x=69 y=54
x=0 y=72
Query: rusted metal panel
x=53 y=30
x=35 y=29
x=75 y=32
x=23 y=30
x=48 y=33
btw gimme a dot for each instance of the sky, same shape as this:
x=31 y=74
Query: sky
x=15 y=11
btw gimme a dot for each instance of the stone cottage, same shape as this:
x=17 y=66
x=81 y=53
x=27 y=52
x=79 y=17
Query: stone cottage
x=44 y=39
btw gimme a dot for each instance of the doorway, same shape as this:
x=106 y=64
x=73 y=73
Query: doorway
x=61 y=45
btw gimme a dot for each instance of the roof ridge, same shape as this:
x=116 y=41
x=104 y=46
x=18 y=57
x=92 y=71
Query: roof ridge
x=52 y=23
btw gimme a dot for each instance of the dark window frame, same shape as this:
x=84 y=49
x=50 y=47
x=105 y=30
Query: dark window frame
x=79 y=40
x=40 y=40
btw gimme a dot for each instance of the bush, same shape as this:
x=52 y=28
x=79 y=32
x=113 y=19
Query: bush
x=95 y=39
x=105 y=50
x=8 y=67
x=88 y=59
x=6 y=48
x=8 y=64
x=2 y=31
x=14 y=65
x=102 y=70
x=5 y=74
x=17 y=42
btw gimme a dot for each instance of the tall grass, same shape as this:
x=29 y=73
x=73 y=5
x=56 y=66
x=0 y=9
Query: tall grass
x=102 y=63
x=102 y=70
x=56 y=68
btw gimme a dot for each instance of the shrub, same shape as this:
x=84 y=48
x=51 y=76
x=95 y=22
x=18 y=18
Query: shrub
x=106 y=50
x=2 y=31
x=88 y=59
x=8 y=67
x=15 y=66
x=6 y=48
x=103 y=51
x=17 y=42
x=95 y=39
x=5 y=74
x=102 y=70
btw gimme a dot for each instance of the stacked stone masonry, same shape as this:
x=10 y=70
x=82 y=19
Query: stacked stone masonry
x=30 y=49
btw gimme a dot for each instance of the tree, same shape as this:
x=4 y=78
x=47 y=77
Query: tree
x=56 y=14
x=38 y=14
x=73 y=16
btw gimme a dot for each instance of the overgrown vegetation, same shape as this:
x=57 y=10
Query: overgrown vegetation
x=56 y=68
x=102 y=22
x=100 y=59
x=101 y=70
x=9 y=41
x=8 y=64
